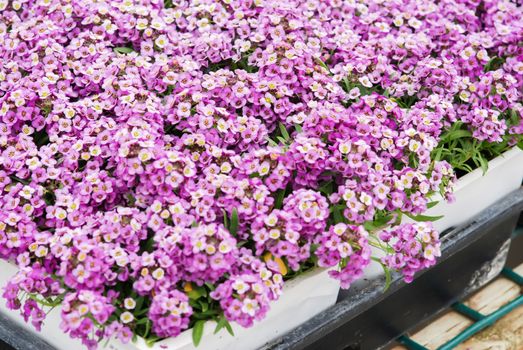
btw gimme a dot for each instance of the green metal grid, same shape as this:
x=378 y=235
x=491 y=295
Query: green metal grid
x=480 y=321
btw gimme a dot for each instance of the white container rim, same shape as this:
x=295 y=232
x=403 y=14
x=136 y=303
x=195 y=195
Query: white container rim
x=492 y=164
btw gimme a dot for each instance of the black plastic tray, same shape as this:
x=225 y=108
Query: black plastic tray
x=12 y=336
x=366 y=318
x=515 y=255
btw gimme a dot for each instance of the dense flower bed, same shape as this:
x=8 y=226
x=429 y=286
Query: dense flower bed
x=166 y=164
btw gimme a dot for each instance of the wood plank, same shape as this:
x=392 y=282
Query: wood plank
x=441 y=330
x=398 y=347
x=519 y=269
x=493 y=296
x=506 y=334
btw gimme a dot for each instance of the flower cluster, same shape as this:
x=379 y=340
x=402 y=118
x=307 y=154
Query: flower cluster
x=348 y=246
x=415 y=247
x=168 y=162
x=169 y=313
x=247 y=294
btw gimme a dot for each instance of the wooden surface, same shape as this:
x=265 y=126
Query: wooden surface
x=506 y=334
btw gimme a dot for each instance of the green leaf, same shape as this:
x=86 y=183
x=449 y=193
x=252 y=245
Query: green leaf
x=147 y=328
x=223 y=323
x=233 y=228
x=17 y=179
x=494 y=63
x=465 y=167
x=280 y=196
x=369 y=226
x=424 y=217
x=432 y=204
x=41 y=137
x=49 y=197
x=204 y=305
x=321 y=63
x=383 y=219
x=197 y=293
x=437 y=154
x=142 y=312
x=46 y=302
x=139 y=302
x=149 y=244
x=298 y=127
x=225 y=219
x=483 y=163
x=241 y=243
x=284 y=132
x=388 y=276
x=336 y=207
x=151 y=340
x=282 y=140
x=379 y=222
x=336 y=211
x=205 y=315
x=271 y=142
x=229 y=328
x=197 y=332
x=455 y=134
x=327 y=188
x=123 y=49
x=142 y=320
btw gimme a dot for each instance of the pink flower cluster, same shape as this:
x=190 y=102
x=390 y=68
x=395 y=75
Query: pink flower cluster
x=415 y=247
x=163 y=162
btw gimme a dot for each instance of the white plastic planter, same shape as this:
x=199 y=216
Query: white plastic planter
x=473 y=193
x=476 y=191
x=302 y=298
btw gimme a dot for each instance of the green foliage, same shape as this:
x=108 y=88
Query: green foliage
x=432 y=204
x=381 y=220
x=17 y=179
x=465 y=153
x=197 y=293
x=424 y=218
x=284 y=132
x=222 y=322
x=234 y=222
x=278 y=201
x=387 y=272
x=336 y=211
x=197 y=332
x=494 y=63
x=123 y=50
x=41 y=137
x=406 y=101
